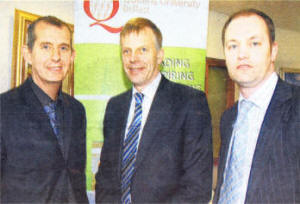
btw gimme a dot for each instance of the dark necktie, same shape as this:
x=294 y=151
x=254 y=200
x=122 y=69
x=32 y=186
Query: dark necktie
x=130 y=149
x=50 y=110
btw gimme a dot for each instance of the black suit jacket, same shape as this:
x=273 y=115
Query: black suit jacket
x=174 y=159
x=33 y=168
x=275 y=171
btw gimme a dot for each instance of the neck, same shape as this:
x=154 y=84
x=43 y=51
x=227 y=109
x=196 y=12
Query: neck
x=52 y=92
x=248 y=91
x=51 y=89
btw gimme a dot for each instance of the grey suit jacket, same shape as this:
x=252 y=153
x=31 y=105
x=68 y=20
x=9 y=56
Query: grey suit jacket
x=33 y=168
x=275 y=171
x=174 y=159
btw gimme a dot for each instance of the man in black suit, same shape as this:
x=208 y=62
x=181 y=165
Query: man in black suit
x=157 y=136
x=260 y=149
x=43 y=149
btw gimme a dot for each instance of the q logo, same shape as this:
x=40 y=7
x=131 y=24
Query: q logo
x=103 y=8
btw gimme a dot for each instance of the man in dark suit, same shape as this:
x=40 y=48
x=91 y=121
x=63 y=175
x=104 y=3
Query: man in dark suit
x=260 y=149
x=43 y=149
x=157 y=136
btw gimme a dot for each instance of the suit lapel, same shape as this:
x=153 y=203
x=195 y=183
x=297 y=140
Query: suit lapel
x=226 y=134
x=271 y=128
x=37 y=115
x=226 y=138
x=158 y=116
x=35 y=111
x=124 y=105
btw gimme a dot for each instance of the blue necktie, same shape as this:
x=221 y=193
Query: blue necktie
x=50 y=110
x=130 y=149
x=232 y=190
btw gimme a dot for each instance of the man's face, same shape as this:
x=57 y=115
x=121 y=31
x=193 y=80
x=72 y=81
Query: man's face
x=249 y=55
x=141 y=58
x=51 y=54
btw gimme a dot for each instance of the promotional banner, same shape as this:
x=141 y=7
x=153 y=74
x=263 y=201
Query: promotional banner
x=98 y=67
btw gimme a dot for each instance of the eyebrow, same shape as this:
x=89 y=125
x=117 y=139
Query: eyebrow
x=255 y=37
x=139 y=47
x=61 y=44
x=236 y=40
x=230 y=41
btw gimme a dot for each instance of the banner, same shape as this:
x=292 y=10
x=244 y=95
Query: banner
x=98 y=67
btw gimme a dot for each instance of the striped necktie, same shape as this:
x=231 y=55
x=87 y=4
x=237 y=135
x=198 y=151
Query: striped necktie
x=233 y=190
x=130 y=149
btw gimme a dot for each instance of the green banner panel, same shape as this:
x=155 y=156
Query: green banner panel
x=94 y=111
x=185 y=65
x=98 y=70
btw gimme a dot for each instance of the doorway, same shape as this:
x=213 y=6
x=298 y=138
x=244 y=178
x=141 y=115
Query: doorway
x=220 y=92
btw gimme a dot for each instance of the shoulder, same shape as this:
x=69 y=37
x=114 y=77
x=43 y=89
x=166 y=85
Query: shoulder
x=184 y=98
x=296 y=92
x=228 y=116
x=296 y=99
x=11 y=98
x=180 y=90
x=72 y=102
x=230 y=111
x=120 y=98
x=288 y=96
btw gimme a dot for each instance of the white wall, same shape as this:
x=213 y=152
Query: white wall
x=214 y=34
x=288 y=41
x=289 y=48
x=61 y=9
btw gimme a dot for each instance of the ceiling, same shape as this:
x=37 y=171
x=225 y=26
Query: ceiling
x=285 y=13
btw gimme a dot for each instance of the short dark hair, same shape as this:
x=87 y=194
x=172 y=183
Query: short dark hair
x=138 y=24
x=250 y=12
x=52 y=20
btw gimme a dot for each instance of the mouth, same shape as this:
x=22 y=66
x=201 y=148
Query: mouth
x=244 y=66
x=55 y=68
x=135 y=70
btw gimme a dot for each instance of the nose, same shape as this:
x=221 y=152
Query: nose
x=134 y=57
x=55 y=55
x=243 y=52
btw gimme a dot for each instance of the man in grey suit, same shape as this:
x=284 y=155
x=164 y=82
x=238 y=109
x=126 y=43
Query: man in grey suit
x=157 y=136
x=260 y=149
x=42 y=129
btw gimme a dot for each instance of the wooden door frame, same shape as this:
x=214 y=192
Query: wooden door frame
x=214 y=62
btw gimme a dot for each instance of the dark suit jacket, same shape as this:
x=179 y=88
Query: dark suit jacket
x=275 y=171
x=174 y=159
x=33 y=168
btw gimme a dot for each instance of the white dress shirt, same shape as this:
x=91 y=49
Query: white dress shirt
x=149 y=93
x=261 y=98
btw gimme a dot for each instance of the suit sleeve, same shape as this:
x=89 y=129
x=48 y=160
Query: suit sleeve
x=2 y=148
x=77 y=169
x=107 y=187
x=196 y=181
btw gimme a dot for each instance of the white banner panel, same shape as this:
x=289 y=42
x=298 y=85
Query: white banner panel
x=183 y=23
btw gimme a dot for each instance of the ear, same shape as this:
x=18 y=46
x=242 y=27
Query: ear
x=160 y=56
x=27 y=55
x=274 y=50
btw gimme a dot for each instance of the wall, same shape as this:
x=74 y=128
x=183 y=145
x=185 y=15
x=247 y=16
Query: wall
x=61 y=9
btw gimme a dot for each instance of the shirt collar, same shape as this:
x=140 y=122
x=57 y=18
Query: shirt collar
x=263 y=95
x=150 y=90
x=42 y=96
